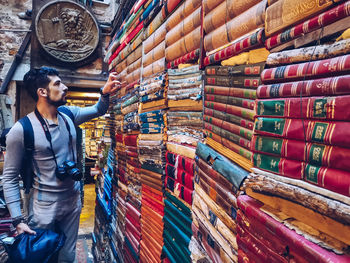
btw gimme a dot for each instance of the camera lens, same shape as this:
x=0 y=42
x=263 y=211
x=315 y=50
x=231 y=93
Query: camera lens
x=75 y=174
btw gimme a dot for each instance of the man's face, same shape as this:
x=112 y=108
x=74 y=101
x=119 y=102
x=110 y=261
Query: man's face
x=57 y=91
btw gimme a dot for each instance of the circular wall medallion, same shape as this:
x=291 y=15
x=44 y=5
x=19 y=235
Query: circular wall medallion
x=67 y=31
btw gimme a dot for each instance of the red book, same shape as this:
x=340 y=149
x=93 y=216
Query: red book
x=230 y=91
x=179 y=190
x=194 y=55
x=296 y=243
x=252 y=41
x=257 y=250
x=317 y=87
x=308 y=70
x=334 y=180
x=266 y=237
x=181 y=162
x=313 y=153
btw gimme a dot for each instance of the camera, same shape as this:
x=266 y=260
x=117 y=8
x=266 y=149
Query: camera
x=68 y=169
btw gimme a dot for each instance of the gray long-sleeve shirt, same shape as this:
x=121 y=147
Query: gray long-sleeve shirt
x=47 y=187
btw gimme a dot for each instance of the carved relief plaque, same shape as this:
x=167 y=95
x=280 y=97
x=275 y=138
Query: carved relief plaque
x=67 y=31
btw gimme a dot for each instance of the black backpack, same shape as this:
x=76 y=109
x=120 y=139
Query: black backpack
x=27 y=174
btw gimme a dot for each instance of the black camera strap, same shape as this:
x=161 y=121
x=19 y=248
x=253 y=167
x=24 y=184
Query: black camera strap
x=48 y=134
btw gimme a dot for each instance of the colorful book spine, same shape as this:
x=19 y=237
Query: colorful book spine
x=330 y=133
x=239 y=82
x=229 y=91
x=254 y=40
x=242 y=70
x=219 y=197
x=150 y=114
x=230 y=109
x=315 y=69
x=297 y=244
x=235 y=129
x=194 y=55
x=152 y=130
x=228 y=135
x=209 y=113
x=229 y=144
x=181 y=162
x=218 y=189
x=317 y=87
x=313 y=153
x=334 y=180
x=179 y=190
x=149 y=125
x=179 y=176
x=322 y=20
x=327 y=108
x=216 y=176
x=245 y=103
x=309 y=53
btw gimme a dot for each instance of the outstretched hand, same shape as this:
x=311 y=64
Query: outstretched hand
x=22 y=227
x=112 y=84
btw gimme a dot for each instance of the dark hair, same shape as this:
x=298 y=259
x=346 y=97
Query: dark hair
x=38 y=78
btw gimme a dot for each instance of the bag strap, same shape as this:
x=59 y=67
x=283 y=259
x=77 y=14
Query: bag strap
x=68 y=112
x=26 y=169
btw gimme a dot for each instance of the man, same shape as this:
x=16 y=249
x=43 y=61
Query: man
x=54 y=201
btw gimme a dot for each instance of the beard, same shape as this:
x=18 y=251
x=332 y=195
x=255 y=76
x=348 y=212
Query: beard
x=56 y=103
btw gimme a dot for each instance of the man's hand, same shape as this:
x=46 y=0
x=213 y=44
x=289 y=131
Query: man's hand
x=112 y=84
x=22 y=227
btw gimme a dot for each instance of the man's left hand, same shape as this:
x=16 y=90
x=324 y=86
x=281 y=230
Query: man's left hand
x=112 y=84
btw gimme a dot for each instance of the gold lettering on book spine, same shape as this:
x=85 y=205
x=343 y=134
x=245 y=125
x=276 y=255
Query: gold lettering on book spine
x=319 y=107
x=319 y=132
x=275 y=146
x=312 y=173
x=273 y=164
x=316 y=154
x=277 y=126
x=260 y=144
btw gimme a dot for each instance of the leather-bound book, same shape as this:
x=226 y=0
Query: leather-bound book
x=225 y=12
x=227 y=81
x=209 y=5
x=285 y=13
x=157 y=37
x=181 y=13
x=237 y=27
x=184 y=27
x=243 y=70
x=184 y=45
x=155 y=54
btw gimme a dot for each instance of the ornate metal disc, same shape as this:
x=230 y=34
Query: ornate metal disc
x=67 y=31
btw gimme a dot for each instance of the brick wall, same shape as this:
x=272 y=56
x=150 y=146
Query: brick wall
x=12 y=31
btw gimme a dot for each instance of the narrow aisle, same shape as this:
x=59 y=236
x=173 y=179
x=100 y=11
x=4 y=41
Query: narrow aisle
x=86 y=227
x=87 y=216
